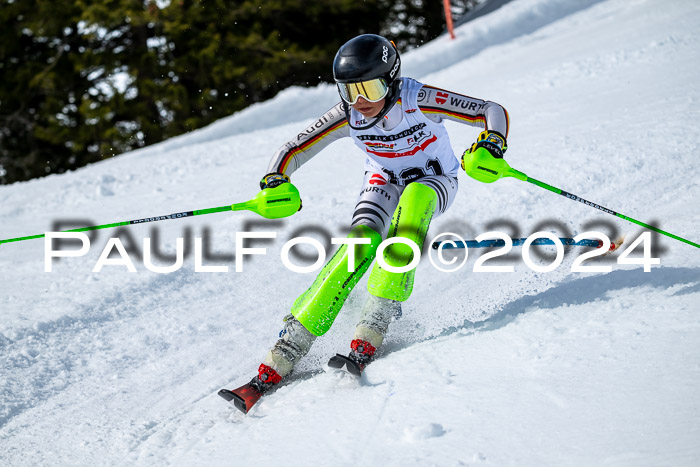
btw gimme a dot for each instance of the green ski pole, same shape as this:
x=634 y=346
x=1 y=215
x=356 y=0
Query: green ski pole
x=271 y=203
x=483 y=167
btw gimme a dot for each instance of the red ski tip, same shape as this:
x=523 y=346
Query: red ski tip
x=242 y=398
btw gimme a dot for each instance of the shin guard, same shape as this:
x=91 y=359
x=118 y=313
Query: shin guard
x=317 y=308
x=411 y=220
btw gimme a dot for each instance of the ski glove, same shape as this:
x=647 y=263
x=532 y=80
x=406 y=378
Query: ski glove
x=492 y=141
x=272 y=180
x=484 y=160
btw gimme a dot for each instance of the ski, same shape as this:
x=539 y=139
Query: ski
x=245 y=397
x=352 y=367
x=242 y=398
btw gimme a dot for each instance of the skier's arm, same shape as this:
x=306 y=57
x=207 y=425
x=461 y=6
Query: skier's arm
x=438 y=104
x=330 y=127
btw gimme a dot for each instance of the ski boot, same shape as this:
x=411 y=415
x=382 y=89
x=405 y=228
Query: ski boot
x=247 y=395
x=360 y=356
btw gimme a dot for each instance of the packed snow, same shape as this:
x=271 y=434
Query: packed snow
x=492 y=369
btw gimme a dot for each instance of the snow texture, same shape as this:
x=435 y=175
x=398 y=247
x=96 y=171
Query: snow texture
x=485 y=369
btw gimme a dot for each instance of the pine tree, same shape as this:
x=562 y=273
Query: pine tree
x=85 y=80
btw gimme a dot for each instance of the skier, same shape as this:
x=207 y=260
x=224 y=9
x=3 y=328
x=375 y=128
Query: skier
x=410 y=173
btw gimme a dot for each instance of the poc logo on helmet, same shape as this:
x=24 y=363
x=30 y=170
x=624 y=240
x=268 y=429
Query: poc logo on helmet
x=396 y=67
x=385 y=54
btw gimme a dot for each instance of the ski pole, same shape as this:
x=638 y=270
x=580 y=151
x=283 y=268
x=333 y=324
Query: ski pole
x=567 y=241
x=271 y=203
x=485 y=168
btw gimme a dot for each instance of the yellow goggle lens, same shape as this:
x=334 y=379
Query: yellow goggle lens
x=373 y=90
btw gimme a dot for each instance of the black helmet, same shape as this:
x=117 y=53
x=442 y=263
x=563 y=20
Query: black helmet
x=362 y=59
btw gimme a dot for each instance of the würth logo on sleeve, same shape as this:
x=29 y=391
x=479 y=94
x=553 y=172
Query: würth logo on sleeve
x=441 y=97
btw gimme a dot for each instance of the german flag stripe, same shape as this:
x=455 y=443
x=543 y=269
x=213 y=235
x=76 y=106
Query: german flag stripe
x=307 y=144
x=457 y=115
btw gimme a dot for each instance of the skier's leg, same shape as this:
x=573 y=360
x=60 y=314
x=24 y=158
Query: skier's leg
x=295 y=342
x=388 y=289
x=376 y=316
x=410 y=221
x=315 y=310
x=420 y=203
x=422 y=200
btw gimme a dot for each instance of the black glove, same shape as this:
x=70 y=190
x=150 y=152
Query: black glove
x=275 y=179
x=484 y=160
x=492 y=141
x=272 y=180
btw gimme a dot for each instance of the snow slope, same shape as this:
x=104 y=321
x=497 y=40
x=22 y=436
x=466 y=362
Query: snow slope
x=521 y=368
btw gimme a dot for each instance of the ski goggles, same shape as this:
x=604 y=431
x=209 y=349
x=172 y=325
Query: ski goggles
x=372 y=90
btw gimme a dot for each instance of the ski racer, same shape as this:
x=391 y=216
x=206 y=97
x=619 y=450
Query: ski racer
x=410 y=178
